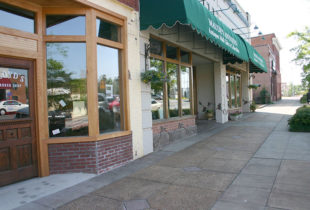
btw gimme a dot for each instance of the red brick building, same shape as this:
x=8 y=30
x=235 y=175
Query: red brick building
x=269 y=47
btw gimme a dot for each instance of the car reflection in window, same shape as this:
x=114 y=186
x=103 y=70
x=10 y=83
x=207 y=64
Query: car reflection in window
x=12 y=108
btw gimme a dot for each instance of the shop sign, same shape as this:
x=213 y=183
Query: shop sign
x=223 y=36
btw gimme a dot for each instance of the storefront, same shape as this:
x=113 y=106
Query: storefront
x=186 y=40
x=65 y=87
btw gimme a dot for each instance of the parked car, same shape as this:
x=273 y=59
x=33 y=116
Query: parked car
x=155 y=105
x=22 y=113
x=9 y=106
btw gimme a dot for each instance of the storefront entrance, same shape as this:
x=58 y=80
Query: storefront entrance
x=17 y=132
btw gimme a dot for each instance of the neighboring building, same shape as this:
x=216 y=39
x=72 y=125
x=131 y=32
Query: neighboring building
x=269 y=47
x=75 y=68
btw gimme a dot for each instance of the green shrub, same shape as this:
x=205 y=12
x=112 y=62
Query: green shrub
x=300 y=122
x=303 y=99
x=264 y=96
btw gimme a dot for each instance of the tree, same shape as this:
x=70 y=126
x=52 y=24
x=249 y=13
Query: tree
x=302 y=51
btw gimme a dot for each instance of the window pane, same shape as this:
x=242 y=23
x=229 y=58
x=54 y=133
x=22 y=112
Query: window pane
x=185 y=57
x=238 y=90
x=108 y=89
x=67 y=89
x=65 y=25
x=16 y=18
x=232 y=89
x=156 y=47
x=173 y=104
x=172 y=52
x=228 y=91
x=157 y=100
x=185 y=89
x=14 y=99
x=107 y=30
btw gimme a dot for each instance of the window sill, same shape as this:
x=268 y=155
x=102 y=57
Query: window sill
x=81 y=139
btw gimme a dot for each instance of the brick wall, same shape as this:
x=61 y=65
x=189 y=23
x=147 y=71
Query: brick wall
x=90 y=157
x=264 y=46
x=132 y=3
x=171 y=125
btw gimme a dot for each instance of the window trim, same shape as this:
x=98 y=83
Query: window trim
x=180 y=64
x=91 y=41
x=235 y=73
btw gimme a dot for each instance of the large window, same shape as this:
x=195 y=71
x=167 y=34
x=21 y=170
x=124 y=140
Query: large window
x=185 y=90
x=65 y=25
x=66 y=89
x=157 y=97
x=173 y=99
x=173 y=90
x=233 y=89
x=108 y=89
x=77 y=104
x=17 y=18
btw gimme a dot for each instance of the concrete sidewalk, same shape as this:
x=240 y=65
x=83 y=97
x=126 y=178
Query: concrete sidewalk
x=254 y=163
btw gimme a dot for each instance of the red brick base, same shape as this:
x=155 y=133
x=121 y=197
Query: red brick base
x=173 y=124
x=90 y=157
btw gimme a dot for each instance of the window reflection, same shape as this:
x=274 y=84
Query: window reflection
x=233 y=91
x=65 y=25
x=66 y=89
x=171 y=52
x=228 y=90
x=185 y=90
x=17 y=18
x=156 y=47
x=173 y=104
x=185 y=57
x=157 y=99
x=107 y=30
x=238 y=91
x=14 y=98
x=109 y=102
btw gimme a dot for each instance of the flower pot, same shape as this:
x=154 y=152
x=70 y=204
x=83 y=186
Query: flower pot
x=209 y=115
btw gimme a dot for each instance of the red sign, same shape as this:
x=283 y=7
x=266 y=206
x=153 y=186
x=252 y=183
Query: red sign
x=5 y=83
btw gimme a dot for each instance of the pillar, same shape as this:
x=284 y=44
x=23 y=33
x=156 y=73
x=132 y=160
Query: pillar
x=221 y=116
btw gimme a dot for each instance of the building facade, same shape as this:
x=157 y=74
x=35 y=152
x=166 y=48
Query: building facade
x=71 y=95
x=269 y=47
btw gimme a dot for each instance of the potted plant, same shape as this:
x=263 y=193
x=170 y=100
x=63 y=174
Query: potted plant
x=154 y=77
x=253 y=106
x=235 y=116
x=209 y=113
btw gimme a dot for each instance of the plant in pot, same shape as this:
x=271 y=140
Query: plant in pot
x=235 y=116
x=209 y=113
x=253 y=106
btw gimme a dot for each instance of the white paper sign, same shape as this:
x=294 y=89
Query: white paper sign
x=62 y=103
x=55 y=132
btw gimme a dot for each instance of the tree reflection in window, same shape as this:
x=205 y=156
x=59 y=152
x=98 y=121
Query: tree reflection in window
x=67 y=89
x=185 y=90
x=173 y=94
x=109 y=98
x=157 y=99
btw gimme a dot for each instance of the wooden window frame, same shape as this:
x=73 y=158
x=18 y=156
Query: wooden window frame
x=180 y=64
x=236 y=74
x=91 y=40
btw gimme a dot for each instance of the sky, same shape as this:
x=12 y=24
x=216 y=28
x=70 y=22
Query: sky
x=281 y=17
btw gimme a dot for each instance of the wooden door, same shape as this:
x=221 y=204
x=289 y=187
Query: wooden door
x=18 y=152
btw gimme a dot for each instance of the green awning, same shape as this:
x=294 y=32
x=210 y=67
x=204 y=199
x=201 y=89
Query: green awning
x=257 y=62
x=155 y=13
